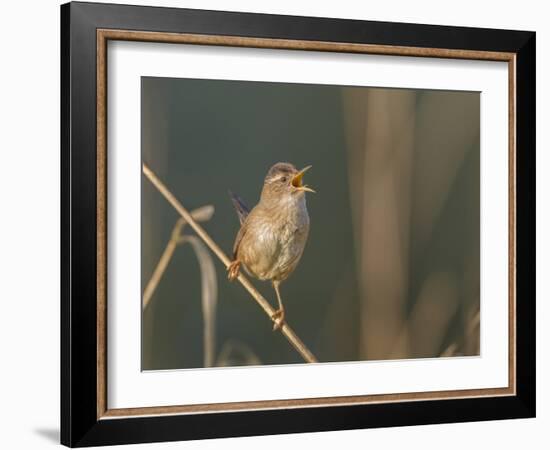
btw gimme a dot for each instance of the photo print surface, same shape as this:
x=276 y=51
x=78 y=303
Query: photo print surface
x=381 y=262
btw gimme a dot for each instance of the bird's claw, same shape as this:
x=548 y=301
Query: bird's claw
x=278 y=318
x=233 y=270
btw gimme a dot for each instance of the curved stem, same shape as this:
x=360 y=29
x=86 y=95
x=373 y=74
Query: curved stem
x=200 y=214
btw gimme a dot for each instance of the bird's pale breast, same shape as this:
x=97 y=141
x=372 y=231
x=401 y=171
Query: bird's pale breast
x=274 y=240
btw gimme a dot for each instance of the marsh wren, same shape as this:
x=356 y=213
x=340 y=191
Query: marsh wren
x=273 y=234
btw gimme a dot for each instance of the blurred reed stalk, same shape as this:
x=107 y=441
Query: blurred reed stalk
x=236 y=353
x=471 y=335
x=380 y=130
x=290 y=335
x=406 y=150
x=200 y=215
x=209 y=284
x=209 y=296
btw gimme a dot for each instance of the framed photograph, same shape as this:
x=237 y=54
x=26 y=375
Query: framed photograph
x=276 y=224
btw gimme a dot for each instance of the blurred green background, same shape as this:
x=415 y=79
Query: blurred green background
x=391 y=267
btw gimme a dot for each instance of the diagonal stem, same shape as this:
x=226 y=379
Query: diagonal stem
x=292 y=338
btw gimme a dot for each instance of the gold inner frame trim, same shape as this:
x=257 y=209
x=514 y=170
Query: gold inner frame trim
x=104 y=35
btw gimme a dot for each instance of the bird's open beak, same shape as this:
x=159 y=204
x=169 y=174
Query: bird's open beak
x=297 y=181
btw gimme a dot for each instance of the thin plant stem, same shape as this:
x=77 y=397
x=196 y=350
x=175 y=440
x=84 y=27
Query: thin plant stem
x=290 y=335
x=200 y=214
x=159 y=271
x=209 y=294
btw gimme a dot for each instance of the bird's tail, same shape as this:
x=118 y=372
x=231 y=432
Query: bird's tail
x=240 y=206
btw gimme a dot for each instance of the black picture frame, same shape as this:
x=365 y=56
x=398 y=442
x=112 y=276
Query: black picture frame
x=80 y=425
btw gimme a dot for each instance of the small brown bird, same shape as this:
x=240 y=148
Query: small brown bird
x=273 y=235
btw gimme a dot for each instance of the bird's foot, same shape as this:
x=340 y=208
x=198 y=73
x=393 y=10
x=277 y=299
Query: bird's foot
x=278 y=318
x=233 y=270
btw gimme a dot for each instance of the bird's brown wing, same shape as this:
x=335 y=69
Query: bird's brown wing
x=239 y=238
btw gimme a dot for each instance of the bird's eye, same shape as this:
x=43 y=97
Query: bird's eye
x=283 y=179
